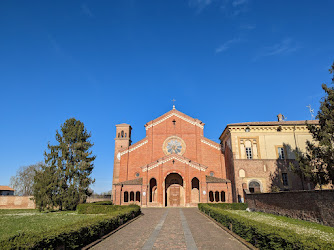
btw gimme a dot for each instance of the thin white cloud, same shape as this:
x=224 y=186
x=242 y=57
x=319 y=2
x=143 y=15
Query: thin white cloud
x=199 y=4
x=230 y=8
x=233 y=8
x=86 y=10
x=55 y=45
x=247 y=27
x=284 y=47
x=58 y=49
x=225 y=46
x=236 y=3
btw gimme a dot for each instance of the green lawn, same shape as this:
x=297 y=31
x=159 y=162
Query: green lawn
x=268 y=231
x=301 y=227
x=15 y=221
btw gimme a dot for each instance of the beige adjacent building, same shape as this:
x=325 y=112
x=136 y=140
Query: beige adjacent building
x=259 y=155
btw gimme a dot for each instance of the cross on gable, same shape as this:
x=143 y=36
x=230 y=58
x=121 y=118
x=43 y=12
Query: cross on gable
x=173 y=103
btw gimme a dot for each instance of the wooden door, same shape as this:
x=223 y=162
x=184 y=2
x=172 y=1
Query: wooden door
x=174 y=199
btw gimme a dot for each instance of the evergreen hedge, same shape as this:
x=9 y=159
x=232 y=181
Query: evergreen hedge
x=93 y=208
x=73 y=236
x=230 y=206
x=102 y=203
x=262 y=235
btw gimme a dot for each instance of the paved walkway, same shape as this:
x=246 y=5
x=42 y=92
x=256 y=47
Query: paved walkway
x=171 y=228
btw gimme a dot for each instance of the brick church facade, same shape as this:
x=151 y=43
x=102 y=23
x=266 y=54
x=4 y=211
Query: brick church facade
x=174 y=165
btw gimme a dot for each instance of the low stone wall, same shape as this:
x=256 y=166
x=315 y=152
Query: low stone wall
x=315 y=206
x=17 y=202
x=94 y=199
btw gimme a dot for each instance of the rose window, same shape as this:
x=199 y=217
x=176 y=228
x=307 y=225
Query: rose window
x=174 y=147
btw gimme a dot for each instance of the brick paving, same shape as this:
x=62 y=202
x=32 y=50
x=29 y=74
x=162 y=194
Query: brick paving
x=182 y=228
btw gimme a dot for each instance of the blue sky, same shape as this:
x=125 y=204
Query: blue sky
x=110 y=62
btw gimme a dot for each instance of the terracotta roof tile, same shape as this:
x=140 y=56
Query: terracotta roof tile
x=211 y=179
x=6 y=188
x=138 y=181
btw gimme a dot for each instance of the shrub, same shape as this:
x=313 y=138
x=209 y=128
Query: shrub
x=229 y=206
x=91 y=208
x=73 y=236
x=263 y=235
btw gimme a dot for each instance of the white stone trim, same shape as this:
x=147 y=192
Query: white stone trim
x=134 y=148
x=177 y=115
x=210 y=144
x=173 y=158
x=263 y=128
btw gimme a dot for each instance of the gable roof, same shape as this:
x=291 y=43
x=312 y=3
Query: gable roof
x=6 y=188
x=211 y=179
x=174 y=157
x=178 y=114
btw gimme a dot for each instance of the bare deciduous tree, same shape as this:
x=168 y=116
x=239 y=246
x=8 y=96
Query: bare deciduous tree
x=23 y=181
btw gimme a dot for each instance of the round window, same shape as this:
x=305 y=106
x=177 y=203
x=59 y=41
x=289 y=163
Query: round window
x=137 y=174
x=174 y=145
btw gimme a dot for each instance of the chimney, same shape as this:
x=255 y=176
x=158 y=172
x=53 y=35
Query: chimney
x=280 y=117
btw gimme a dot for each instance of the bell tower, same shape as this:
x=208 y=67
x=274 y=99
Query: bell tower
x=122 y=141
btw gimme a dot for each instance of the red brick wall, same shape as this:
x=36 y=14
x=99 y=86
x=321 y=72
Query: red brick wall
x=316 y=205
x=196 y=151
x=270 y=170
x=16 y=202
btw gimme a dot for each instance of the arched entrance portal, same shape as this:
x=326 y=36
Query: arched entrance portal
x=174 y=190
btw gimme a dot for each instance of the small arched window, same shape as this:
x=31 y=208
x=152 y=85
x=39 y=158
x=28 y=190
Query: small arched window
x=119 y=135
x=138 y=196
x=242 y=173
x=222 y=196
x=211 y=199
x=122 y=134
x=153 y=184
x=254 y=187
x=195 y=183
x=132 y=196
x=217 y=196
x=126 y=196
x=125 y=135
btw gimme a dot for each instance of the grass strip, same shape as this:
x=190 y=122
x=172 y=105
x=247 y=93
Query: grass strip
x=72 y=236
x=229 y=206
x=265 y=234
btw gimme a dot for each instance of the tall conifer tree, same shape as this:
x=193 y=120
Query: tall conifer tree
x=317 y=164
x=64 y=181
